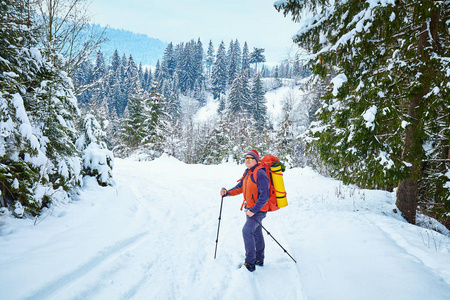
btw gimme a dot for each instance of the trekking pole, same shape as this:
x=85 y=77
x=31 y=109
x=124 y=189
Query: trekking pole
x=285 y=251
x=218 y=227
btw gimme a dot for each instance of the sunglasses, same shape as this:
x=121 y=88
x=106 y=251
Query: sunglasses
x=249 y=158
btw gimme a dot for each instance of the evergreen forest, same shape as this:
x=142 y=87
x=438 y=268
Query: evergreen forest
x=375 y=113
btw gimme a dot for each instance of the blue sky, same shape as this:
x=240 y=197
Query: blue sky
x=254 y=21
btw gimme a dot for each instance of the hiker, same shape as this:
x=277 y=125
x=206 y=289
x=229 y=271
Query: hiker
x=256 y=196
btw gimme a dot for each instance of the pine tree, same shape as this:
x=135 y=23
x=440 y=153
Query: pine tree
x=155 y=123
x=168 y=63
x=100 y=67
x=98 y=161
x=388 y=81
x=122 y=87
x=238 y=55
x=99 y=84
x=19 y=64
x=159 y=78
x=198 y=63
x=132 y=82
x=259 y=107
x=147 y=79
x=235 y=97
x=115 y=61
x=240 y=98
x=233 y=68
x=186 y=68
x=132 y=130
x=245 y=58
x=219 y=73
x=210 y=58
x=37 y=115
x=256 y=57
x=229 y=53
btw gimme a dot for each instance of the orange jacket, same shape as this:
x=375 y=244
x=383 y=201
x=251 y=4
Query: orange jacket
x=255 y=187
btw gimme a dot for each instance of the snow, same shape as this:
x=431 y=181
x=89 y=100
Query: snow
x=276 y=97
x=337 y=82
x=15 y=184
x=447 y=184
x=369 y=116
x=18 y=209
x=152 y=236
x=434 y=91
x=385 y=160
x=25 y=127
x=280 y=2
x=392 y=17
x=36 y=54
x=208 y=112
x=96 y=161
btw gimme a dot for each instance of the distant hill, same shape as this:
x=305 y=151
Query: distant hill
x=143 y=48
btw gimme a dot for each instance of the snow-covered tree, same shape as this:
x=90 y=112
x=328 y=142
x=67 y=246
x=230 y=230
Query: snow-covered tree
x=210 y=58
x=219 y=72
x=239 y=98
x=98 y=161
x=168 y=63
x=259 y=107
x=389 y=61
x=38 y=158
x=133 y=129
x=256 y=57
x=245 y=58
x=233 y=67
x=155 y=122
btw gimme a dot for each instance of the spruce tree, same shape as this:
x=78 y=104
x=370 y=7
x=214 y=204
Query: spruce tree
x=168 y=63
x=210 y=58
x=239 y=98
x=155 y=122
x=256 y=57
x=238 y=55
x=198 y=63
x=233 y=68
x=259 y=107
x=245 y=59
x=37 y=115
x=389 y=79
x=98 y=161
x=99 y=67
x=219 y=73
x=19 y=65
x=115 y=61
x=133 y=130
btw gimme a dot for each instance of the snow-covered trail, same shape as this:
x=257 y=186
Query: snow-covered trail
x=153 y=237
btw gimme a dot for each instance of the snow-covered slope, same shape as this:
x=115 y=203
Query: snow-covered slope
x=153 y=237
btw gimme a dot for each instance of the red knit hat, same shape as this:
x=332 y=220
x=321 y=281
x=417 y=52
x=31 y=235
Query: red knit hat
x=254 y=154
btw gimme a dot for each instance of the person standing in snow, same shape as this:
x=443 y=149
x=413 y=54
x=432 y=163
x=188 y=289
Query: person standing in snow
x=256 y=196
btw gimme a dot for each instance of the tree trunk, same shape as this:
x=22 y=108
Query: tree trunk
x=407 y=193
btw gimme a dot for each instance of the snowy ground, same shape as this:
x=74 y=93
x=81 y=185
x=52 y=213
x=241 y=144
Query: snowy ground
x=153 y=237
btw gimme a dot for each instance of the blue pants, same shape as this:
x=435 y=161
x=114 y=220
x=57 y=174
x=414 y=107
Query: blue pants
x=253 y=238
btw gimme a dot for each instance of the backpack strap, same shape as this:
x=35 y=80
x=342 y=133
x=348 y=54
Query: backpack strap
x=243 y=176
x=270 y=178
x=254 y=178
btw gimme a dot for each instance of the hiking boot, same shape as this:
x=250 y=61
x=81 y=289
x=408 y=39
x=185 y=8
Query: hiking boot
x=259 y=263
x=250 y=267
